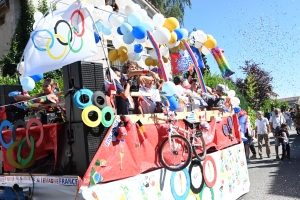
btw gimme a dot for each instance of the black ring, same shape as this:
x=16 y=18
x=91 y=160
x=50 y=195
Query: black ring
x=14 y=131
x=193 y=188
x=55 y=31
x=103 y=99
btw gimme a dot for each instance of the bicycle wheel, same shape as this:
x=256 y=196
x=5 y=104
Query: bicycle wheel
x=199 y=147
x=175 y=154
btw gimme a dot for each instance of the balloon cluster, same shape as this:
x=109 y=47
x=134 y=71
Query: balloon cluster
x=204 y=42
x=28 y=83
x=235 y=102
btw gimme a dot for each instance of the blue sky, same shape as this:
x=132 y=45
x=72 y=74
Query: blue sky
x=265 y=31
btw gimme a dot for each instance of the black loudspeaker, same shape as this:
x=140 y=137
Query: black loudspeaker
x=78 y=147
x=81 y=75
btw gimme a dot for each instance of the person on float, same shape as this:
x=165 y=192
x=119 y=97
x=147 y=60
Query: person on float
x=262 y=129
x=50 y=87
x=215 y=101
x=182 y=93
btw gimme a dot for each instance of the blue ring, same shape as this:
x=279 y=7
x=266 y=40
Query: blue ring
x=188 y=185
x=77 y=96
x=3 y=124
x=42 y=49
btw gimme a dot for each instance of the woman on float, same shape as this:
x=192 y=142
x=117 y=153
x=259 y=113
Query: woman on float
x=50 y=87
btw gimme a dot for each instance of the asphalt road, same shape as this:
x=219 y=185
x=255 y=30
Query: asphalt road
x=275 y=179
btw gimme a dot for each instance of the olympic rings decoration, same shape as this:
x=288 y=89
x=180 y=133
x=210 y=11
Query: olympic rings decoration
x=85 y=116
x=61 y=39
x=21 y=163
x=206 y=166
x=188 y=184
x=80 y=93
x=211 y=192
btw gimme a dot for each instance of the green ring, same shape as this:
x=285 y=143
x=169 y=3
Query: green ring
x=29 y=158
x=71 y=48
x=109 y=110
x=211 y=192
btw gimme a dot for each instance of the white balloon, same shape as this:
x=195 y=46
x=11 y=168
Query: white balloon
x=108 y=8
x=105 y=16
x=137 y=7
x=205 y=50
x=116 y=20
x=231 y=93
x=162 y=35
x=143 y=14
x=130 y=47
x=141 y=40
x=153 y=55
x=106 y=24
x=173 y=45
x=122 y=10
x=158 y=20
x=198 y=44
x=164 y=50
x=117 y=41
x=200 y=36
x=37 y=16
x=131 y=56
x=235 y=101
x=130 y=9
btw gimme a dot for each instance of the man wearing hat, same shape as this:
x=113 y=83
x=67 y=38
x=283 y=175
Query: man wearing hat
x=217 y=101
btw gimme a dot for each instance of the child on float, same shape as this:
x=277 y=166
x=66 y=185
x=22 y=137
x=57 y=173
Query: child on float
x=283 y=136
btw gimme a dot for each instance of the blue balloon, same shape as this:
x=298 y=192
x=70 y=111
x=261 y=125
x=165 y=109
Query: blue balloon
x=179 y=32
x=106 y=31
x=139 y=32
x=99 y=26
x=27 y=83
x=126 y=29
x=173 y=102
x=37 y=77
x=138 y=57
x=128 y=39
x=138 y=48
x=169 y=88
x=135 y=19
x=119 y=31
x=97 y=37
x=148 y=26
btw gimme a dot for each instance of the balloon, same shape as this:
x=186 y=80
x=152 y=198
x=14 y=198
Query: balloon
x=231 y=93
x=117 y=41
x=143 y=14
x=173 y=102
x=128 y=39
x=185 y=33
x=123 y=58
x=205 y=50
x=126 y=28
x=164 y=50
x=179 y=32
x=210 y=42
x=139 y=32
x=113 y=55
x=135 y=19
x=106 y=31
x=130 y=9
x=149 y=61
x=132 y=56
x=129 y=47
x=182 y=47
x=141 y=40
x=137 y=7
x=99 y=26
x=198 y=44
x=37 y=77
x=158 y=20
x=27 y=83
x=222 y=62
x=122 y=50
x=138 y=57
x=171 y=23
x=138 y=48
x=165 y=59
x=106 y=24
x=154 y=62
x=169 y=88
x=173 y=38
x=153 y=55
x=200 y=36
x=116 y=20
x=149 y=26
x=235 y=101
x=97 y=37
x=162 y=35
x=119 y=31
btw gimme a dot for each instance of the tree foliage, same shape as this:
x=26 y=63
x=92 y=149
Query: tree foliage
x=172 y=8
x=260 y=81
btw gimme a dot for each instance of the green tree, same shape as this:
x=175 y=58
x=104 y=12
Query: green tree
x=251 y=91
x=20 y=38
x=172 y=8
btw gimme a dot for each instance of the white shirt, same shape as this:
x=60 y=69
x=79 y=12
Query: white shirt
x=262 y=126
x=277 y=120
x=154 y=97
x=287 y=115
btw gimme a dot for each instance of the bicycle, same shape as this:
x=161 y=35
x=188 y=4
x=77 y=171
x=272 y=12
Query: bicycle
x=176 y=151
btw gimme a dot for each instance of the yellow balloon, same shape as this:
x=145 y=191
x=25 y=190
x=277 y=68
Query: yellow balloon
x=154 y=62
x=113 y=55
x=210 y=43
x=171 y=23
x=122 y=50
x=149 y=61
x=173 y=38
x=182 y=47
x=123 y=58
x=165 y=59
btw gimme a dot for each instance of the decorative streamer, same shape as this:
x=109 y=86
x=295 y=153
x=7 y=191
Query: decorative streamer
x=159 y=56
x=197 y=69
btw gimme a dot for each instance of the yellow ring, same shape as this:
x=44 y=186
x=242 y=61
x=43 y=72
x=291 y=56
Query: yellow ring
x=48 y=47
x=197 y=196
x=85 y=116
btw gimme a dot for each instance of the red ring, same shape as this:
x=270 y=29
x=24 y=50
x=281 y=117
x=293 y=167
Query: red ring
x=40 y=125
x=212 y=183
x=82 y=20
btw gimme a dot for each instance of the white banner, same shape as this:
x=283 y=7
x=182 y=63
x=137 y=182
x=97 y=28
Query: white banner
x=222 y=175
x=61 y=38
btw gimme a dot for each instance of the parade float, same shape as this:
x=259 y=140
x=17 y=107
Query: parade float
x=130 y=161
